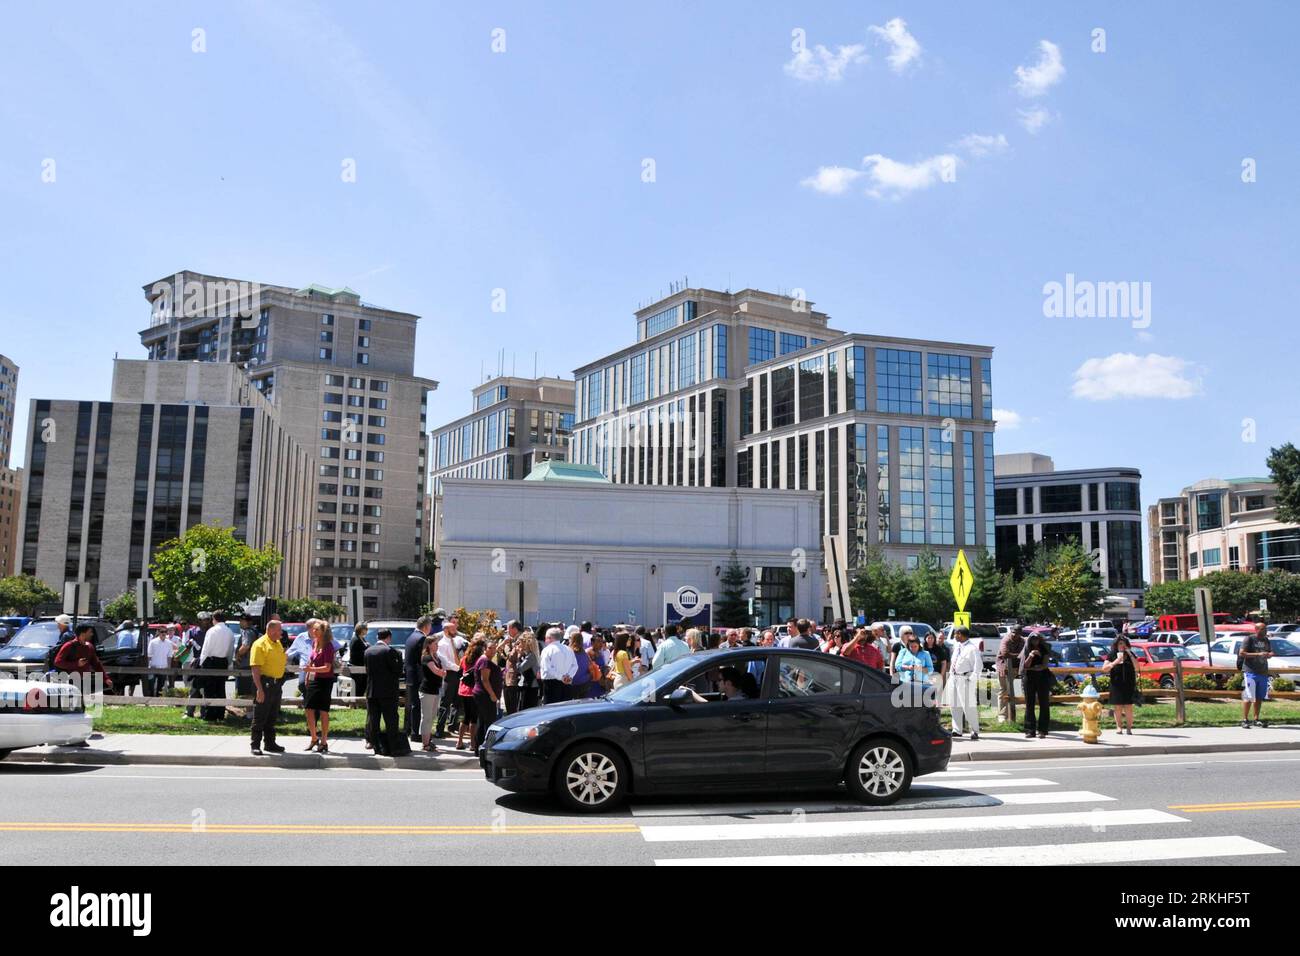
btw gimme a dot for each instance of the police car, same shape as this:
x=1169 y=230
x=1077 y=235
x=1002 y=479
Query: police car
x=35 y=713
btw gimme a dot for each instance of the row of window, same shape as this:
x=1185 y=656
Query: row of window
x=687 y=360
x=1068 y=498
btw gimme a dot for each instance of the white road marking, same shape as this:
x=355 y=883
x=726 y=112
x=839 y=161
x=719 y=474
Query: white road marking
x=786 y=807
x=982 y=785
x=1051 y=854
x=803 y=829
x=1053 y=796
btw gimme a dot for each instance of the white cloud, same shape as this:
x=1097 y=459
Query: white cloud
x=1034 y=119
x=892 y=179
x=820 y=65
x=1007 y=419
x=983 y=144
x=903 y=46
x=1125 y=375
x=1036 y=80
x=833 y=180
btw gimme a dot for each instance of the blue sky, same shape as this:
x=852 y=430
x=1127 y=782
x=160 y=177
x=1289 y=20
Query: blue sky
x=522 y=170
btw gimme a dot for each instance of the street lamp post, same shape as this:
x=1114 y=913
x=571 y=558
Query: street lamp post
x=428 y=588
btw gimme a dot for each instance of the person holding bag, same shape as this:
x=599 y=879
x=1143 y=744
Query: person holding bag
x=318 y=673
x=1038 y=680
x=1123 y=683
x=465 y=693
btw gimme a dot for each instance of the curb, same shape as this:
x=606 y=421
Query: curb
x=1151 y=750
x=304 y=761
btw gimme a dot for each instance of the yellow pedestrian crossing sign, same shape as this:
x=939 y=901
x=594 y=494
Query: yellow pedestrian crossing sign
x=961 y=619
x=961 y=580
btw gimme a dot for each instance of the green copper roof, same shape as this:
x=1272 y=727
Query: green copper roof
x=326 y=290
x=566 y=471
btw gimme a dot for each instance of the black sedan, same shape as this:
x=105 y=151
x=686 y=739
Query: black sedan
x=811 y=721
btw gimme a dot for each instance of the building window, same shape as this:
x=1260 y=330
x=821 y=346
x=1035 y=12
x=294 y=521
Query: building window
x=327 y=355
x=762 y=345
x=898 y=381
x=327 y=319
x=363 y=325
x=942 y=490
x=363 y=358
x=378 y=385
x=1124 y=554
x=719 y=351
x=989 y=523
x=782 y=396
x=1209 y=511
x=686 y=361
x=1058 y=499
x=326 y=335
x=1121 y=496
x=911 y=485
x=811 y=404
x=363 y=341
x=1211 y=557
x=986 y=392
x=882 y=484
x=792 y=343
x=968 y=487
x=855 y=377
x=948 y=387
x=1006 y=501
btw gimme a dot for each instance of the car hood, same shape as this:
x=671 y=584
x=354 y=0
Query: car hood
x=24 y=652
x=560 y=711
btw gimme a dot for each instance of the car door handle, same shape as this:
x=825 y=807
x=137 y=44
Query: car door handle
x=745 y=718
x=843 y=710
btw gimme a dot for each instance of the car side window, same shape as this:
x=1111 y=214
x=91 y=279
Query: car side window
x=810 y=677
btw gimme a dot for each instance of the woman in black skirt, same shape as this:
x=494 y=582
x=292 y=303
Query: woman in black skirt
x=318 y=672
x=1123 y=683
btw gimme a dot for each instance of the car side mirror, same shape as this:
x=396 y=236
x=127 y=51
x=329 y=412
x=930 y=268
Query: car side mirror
x=680 y=696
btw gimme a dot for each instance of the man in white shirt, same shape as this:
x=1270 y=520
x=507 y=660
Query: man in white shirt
x=967 y=663
x=670 y=648
x=449 y=660
x=218 y=645
x=558 y=665
x=160 y=651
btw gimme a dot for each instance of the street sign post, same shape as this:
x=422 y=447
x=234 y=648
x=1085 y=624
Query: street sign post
x=1205 y=620
x=76 y=598
x=356 y=604
x=961 y=619
x=837 y=576
x=961 y=580
x=144 y=599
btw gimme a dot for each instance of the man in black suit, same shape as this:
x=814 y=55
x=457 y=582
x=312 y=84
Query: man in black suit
x=414 y=648
x=383 y=679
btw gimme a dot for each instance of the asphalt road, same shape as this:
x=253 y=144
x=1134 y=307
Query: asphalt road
x=1128 y=810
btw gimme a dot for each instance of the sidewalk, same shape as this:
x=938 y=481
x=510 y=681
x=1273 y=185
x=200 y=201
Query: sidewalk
x=1177 y=740
x=350 y=754
x=232 y=751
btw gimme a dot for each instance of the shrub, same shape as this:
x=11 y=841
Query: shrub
x=1283 y=685
x=1236 y=682
x=1198 y=682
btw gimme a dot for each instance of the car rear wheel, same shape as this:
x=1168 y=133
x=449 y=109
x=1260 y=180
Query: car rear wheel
x=1167 y=682
x=590 y=778
x=879 y=772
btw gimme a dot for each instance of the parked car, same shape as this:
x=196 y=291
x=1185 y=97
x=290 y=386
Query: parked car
x=1070 y=654
x=1156 y=661
x=9 y=626
x=36 y=644
x=816 y=721
x=1090 y=631
x=35 y=713
x=893 y=629
x=1286 y=653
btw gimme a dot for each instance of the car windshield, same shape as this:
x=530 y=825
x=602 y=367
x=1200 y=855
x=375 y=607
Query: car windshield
x=37 y=634
x=647 y=685
x=1077 y=653
x=1169 y=652
x=122 y=640
x=984 y=630
x=293 y=630
x=1283 y=648
x=400 y=634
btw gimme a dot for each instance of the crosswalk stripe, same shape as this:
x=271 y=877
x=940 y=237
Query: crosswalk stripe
x=934 y=800
x=959 y=784
x=1053 y=796
x=1051 y=854
x=947 y=774
x=802 y=828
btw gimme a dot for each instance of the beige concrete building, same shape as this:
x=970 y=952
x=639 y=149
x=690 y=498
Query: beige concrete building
x=1220 y=525
x=108 y=482
x=339 y=374
x=11 y=479
x=8 y=398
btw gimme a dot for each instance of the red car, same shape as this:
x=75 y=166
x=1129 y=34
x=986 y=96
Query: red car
x=1156 y=661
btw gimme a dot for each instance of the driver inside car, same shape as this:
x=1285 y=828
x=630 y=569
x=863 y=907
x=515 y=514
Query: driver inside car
x=736 y=685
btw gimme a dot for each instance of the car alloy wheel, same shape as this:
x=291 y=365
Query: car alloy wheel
x=591 y=778
x=881 y=771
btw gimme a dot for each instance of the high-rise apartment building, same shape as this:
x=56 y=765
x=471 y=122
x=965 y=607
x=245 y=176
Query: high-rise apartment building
x=1220 y=525
x=11 y=479
x=340 y=375
x=755 y=390
x=8 y=396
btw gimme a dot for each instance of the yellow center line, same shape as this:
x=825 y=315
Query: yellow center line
x=1252 y=805
x=298 y=829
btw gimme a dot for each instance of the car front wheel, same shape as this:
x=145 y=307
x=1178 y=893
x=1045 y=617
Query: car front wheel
x=590 y=778
x=879 y=772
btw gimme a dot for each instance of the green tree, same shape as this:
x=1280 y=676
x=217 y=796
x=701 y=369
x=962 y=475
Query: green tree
x=25 y=594
x=880 y=586
x=121 y=608
x=412 y=595
x=932 y=600
x=1068 y=590
x=1170 y=597
x=732 y=607
x=989 y=599
x=209 y=569
x=1284 y=469
x=303 y=609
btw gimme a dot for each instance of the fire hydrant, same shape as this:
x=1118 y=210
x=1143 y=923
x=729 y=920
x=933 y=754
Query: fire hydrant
x=1090 y=707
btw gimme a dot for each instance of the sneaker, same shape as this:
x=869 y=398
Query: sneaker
x=974 y=737
x=1030 y=734
x=257 y=751
x=274 y=749
x=1261 y=723
x=957 y=733
x=1245 y=725
x=1042 y=735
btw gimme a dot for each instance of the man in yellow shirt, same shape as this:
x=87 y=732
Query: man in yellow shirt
x=267 y=658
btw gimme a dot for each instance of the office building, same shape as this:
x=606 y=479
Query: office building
x=756 y=390
x=1220 y=525
x=339 y=373
x=188 y=443
x=580 y=547
x=8 y=396
x=1099 y=509
x=11 y=479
